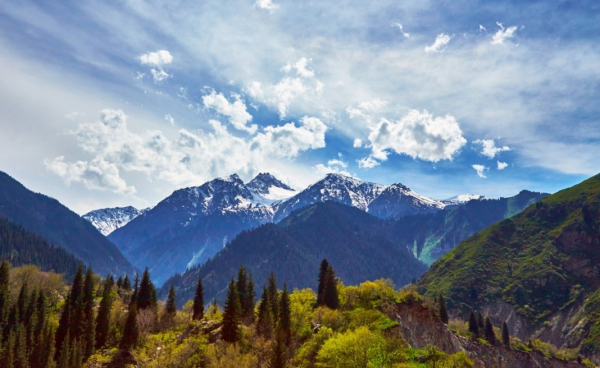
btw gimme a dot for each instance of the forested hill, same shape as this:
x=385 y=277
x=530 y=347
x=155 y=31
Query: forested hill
x=60 y=226
x=346 y=236
x=22 y=247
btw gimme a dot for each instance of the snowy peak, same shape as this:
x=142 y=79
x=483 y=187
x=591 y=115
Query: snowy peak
x=463 y=198
x=398 y=200
x=265 y=181
x=107 y=220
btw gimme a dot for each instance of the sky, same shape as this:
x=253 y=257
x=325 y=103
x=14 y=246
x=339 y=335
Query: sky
x=115 y=103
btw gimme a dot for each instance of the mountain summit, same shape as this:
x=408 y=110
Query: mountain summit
x=107 y=220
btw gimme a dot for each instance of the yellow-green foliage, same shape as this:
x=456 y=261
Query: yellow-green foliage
x=301 y=312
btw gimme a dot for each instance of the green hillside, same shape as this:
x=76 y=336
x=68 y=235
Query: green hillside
x=542 y=262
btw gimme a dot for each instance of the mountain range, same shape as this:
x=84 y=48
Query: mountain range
x=107 y=220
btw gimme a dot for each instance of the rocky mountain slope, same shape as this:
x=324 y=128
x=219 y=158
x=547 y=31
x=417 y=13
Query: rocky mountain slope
x=107 y=220
x=539 y=270
x=62 y=227
x=346 y=236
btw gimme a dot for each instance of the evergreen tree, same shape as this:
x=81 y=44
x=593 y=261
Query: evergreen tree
x=505 y=335
x=4 y=291
x=63 y=327
x=285 y=323
x=231 y=314
x=473 y=325
x=22 y=302
x=9 y=350
x=76 y=354
x=480 y=322
x=126 y=284
x=146 y=297
x=20 y=355
x=242 y=288
x=103 y=320
x=322 y=272
x=443 y=310
x=136 y=290
x=264 y=326
x=119 y=282
x=64 y=360
x=170 y=308
x=250 y=303
x=40 y=315
x=198 y=307
x=273 y=295
x=330 y=292
x=76 y=307
x=87 y=342
x=489 y=331
x=278 y=354
x=131 y=330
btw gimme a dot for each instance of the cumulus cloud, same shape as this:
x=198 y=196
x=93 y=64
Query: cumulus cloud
x=502 y=165
x=480 y=169
x=170 y=119
x=357 y=143
x=418 y=135
x=236 y=111
x=189 y=158
x=438 y=45
x=266 y=5
x=372 y=105
x=503 y=34
x=301 y=68
x=367 y=162
x=336 y=166
x=157 y=60
x=401 y=28
x=489 y=149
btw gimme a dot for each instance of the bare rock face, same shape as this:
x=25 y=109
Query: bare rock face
x=420 y=327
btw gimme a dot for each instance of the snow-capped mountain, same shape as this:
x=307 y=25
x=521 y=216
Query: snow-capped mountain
x=107 y=220
x=334 y=187
x=268 y=190
x=398 y=200
x=463 y=198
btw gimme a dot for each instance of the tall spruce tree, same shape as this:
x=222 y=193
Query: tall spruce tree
x=242 y=287
x=170 y=307
x=480 y=323
x=231 y=314
x=273 y=295
x=443 y=310
x=473 y=325
x=505 y=335
x=126 y=284
x=330 y=292
x=322 y=272
x=131 y=330
x=146 y=297
x=264 y=325
x=278 y=354
x=285 y=318
x=103 y=320
x=490 y=336
x=198 y=307
x=250 y=303
x=87 y=343
x=4 y=291
x=63 y=327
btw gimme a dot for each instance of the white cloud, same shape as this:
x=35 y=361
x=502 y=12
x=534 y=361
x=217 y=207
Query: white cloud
x=266 y=4
x=372 y=105
x=288 y=140
x=503 y=34
x=236 y=111
x=401 y=28
x=157 y=60
x=300 y=67
x=418 y=135
x=480 y=169
x=482 y=28
x=357 y=143
x=502 y=165
x=367 y=163
x=170 y=119
x=440 y=41
x=337 y=166
x=489 y=149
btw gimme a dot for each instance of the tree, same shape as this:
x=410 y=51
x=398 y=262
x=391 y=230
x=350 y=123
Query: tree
x=285 y=323
x=473 y=325
x=146 y=297
x=126 y=283
x=249 y=300
x=199 y=301
x=4 y=291
x=242 y=288
x=273 y=294
x=231 y=314
x=330 y=292
x=505 y=335
x=443 y=310
x=131 y=330
x=278 y=354
x=264 y=326
x=489 y=331
x=63 y=328
x=103 y=320
x=322 y=272
x=480 y=322
x=88 y=340
x=170 y=308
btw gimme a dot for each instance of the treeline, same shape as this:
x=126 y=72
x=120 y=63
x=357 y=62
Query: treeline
x=22 y=247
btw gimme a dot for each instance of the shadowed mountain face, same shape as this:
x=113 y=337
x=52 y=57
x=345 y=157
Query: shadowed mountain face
x=539 y=269
x=60 y=226
x=293 y=249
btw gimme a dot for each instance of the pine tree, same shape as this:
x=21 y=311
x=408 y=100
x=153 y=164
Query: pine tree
x=322 y=272
x=9 y=350
x=231 y=314
x=87 y=343
x=76 y=355
x=64 y=360
x=20 y=355
x=242 y=288
x=198 y=307
x=278 y=354
x=22 y=302
x=119 y=282
x=273 y=295
x=103 y=320
x=63 y=327
x=146 y=297
x=131 y=330
x=473 y=325
x=170 y=308
x=4 y=291
x=285 y=323
x=136 y=290
x=443 y=310
x=126 y=284
x=330 y=292
x=76 y=307
x=264 y=325
x=505 y=335
x=489 y=331
x=40 y=315
x=250 y=303
x=480 y=322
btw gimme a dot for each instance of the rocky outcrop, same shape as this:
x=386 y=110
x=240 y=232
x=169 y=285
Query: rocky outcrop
x=420 y=327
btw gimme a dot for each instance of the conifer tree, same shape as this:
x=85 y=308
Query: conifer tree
x=198 y=307
x=505 y=335
x=87 y=343
x=126 y=283
x=242 y=287
x=136 y=290
x=443 y=310
x=103 y=321
x=480 y=322
x=76 y=355
x=231 y=314
x=40 y=315
x=170 y=308
x=330 y=292
x=20 y=354
x=285 y=323
x=22 y=302
x=146 y=297
x=264 y=325
x=9 y=350
x=64 y=360
x=322 y=272
x=273 y=295
x=63 y=327
x=489 y=331
x=473 y=325
x=131 y=330
x=76 y=307
x=119 y=282
x=278 y=354
x=4 y=291
x=250 y=303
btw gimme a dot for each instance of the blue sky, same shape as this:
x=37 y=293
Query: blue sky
x=117 y=103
